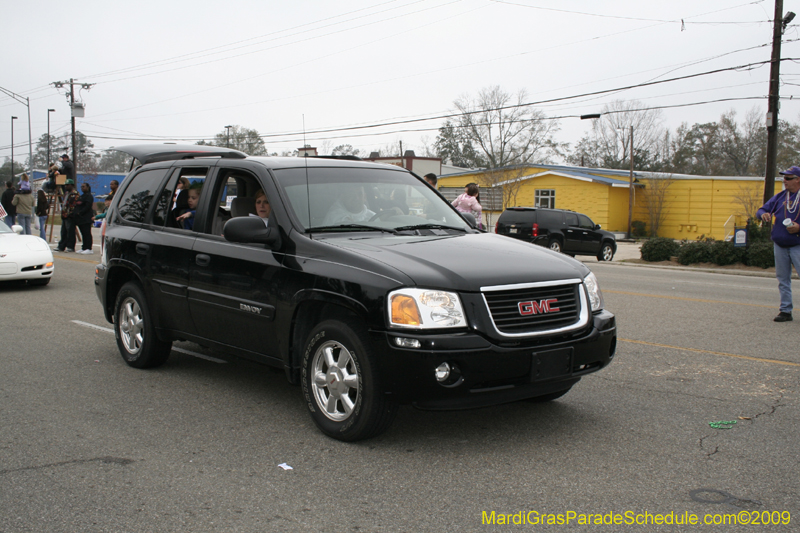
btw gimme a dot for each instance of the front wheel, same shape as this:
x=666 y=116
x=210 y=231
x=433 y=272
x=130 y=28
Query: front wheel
x=341 y=384
x=606 y=252
x=555 y=245
x=135 y=331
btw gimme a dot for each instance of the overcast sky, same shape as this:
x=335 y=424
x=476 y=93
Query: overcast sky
x=181 y=70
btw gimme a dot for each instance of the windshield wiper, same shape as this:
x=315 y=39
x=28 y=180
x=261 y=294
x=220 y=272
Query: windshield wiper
x=428 y=226
x=356 y=227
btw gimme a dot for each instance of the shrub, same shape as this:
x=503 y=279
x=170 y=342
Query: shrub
x=638 y=229
x=695 y=252
x=659 y=249
x=760 y=254
x=725 y=253
x=757 y=231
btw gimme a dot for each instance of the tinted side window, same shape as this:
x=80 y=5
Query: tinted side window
x=572 y=219
x=585 y=222
x=550 y=218
x=138 y=195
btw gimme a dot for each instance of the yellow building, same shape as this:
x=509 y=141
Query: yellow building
x=690 y=206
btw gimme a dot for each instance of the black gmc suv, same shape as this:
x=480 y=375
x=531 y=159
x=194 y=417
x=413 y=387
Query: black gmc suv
x=357 y=279
x=561 y=231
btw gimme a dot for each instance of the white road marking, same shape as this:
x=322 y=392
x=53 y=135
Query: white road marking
x=174 y=348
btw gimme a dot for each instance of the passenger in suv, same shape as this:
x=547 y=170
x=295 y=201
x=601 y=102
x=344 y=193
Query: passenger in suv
x=364 y=315
x=560 y=230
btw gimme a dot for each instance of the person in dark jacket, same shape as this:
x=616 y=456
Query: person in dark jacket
x=7 y=201
x=42 y=210
x=82 y=216
x=67 y=242
x=67 y=167
x=785 y=208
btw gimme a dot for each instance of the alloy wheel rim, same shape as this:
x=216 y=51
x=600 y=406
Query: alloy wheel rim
x=335 y=381
x=131 y=325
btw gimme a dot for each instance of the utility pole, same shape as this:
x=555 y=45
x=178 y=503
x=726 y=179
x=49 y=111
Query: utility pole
x=76 y=110
x=779 y=25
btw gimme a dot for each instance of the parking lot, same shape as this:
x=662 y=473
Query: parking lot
x=89 y=444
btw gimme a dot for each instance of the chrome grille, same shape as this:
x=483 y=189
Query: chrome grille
x=504 y=307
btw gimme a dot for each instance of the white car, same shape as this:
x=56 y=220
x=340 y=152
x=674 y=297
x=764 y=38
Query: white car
x=24 y=257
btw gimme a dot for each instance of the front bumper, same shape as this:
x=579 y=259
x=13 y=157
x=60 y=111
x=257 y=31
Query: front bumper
x=491 y=373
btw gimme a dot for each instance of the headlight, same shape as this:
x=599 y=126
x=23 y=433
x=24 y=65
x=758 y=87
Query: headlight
x=425 y=309
x=595 y=295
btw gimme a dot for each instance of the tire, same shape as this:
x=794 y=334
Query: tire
x=135 y=331
x=549 y=397
x=39 y=282
x=555 y=245
x=341 y=385
x=606 y=252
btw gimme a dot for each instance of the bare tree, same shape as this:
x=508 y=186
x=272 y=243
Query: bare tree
x=504 y=130
x=609 y=144
x=239 y=138
x=656 y=195
x=748 y=199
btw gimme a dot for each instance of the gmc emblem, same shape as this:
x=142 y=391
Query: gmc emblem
x=538 y=308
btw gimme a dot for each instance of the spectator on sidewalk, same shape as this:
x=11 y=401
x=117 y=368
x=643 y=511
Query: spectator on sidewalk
x=785 y=208
x=431 y=179
x=83 y=217
x=113 y=186
x=42 y=209
x=7 y=202
x=67 y=242
x=23 y=202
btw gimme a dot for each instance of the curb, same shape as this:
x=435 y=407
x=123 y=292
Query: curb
x=732 y=272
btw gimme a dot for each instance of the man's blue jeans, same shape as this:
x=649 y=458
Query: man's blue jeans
x=10 y=219
x=784 y=259
x=25 y=222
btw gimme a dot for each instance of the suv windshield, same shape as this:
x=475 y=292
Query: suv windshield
x=353 y=199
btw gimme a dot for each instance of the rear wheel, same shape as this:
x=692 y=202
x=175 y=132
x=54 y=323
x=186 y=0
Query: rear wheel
x=606 y=252
x=341 y=384
x=135 y=331
x=555 y=245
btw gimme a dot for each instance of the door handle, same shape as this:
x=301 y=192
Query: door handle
x=142 y=248
x=202 y=260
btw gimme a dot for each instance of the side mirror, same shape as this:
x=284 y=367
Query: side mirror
x=16 y=228
x=470 y=218
x=249 y=230
x=597 y=226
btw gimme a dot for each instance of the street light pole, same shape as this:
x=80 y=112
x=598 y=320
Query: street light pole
x=228 y=136
x=48 y=136
x=12 y=148
x=630 y=189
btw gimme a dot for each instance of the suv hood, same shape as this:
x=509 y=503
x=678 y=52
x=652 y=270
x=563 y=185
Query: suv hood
x=464 y=262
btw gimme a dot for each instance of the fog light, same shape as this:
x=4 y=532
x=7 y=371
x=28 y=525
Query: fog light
x=442 y=372
x=404 y=342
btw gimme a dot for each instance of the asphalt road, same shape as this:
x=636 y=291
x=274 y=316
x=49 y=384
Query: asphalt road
x=89 y=444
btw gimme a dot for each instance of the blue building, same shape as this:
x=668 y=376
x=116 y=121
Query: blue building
x=99 y=183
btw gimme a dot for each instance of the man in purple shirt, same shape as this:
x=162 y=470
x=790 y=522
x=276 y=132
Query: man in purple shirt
x=785 y=236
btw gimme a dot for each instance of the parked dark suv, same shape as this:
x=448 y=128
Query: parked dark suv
x=561 y=231
x=357 y=279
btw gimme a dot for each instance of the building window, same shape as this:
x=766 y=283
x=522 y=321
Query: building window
x=545 y=198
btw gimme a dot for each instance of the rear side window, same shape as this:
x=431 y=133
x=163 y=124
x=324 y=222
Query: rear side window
x=585 y=222
x=572 y=219
x=138 y=195
x=550 y=218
